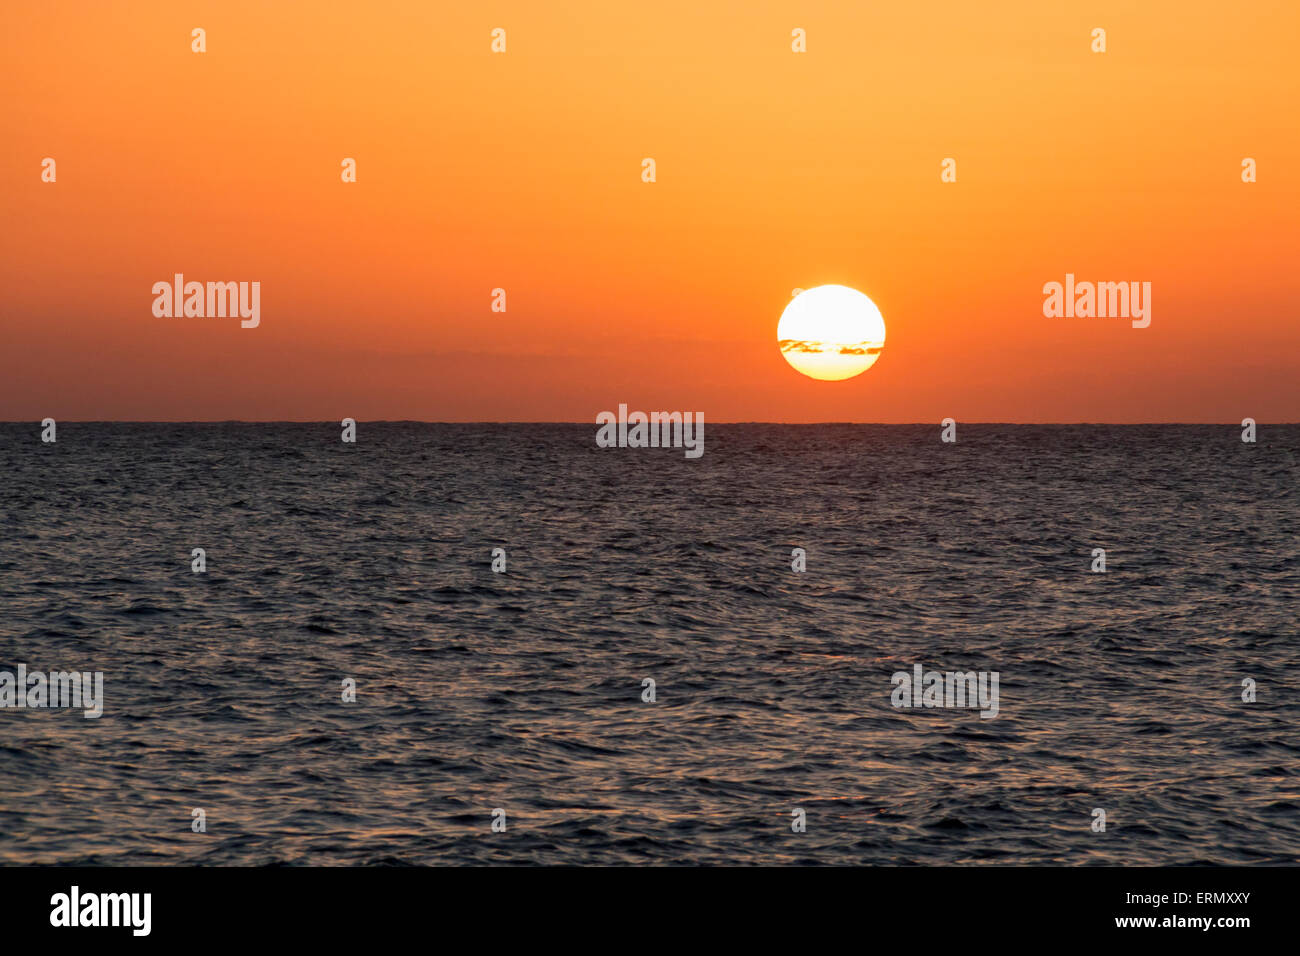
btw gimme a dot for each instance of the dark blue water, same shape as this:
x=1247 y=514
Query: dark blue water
x=523 y=690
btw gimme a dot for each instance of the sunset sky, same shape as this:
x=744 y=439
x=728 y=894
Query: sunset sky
x=522 y=170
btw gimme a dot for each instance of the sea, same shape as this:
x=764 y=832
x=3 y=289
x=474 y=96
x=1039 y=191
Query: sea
x=451 y=644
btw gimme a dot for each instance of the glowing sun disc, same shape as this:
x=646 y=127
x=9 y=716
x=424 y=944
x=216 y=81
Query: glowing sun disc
x=831 y=333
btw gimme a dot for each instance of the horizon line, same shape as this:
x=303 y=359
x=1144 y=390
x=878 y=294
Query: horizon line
x=423 y=421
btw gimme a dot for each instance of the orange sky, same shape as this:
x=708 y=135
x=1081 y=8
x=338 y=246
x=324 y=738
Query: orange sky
x=522 y=170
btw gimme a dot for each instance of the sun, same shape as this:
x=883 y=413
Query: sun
x=831 y=333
